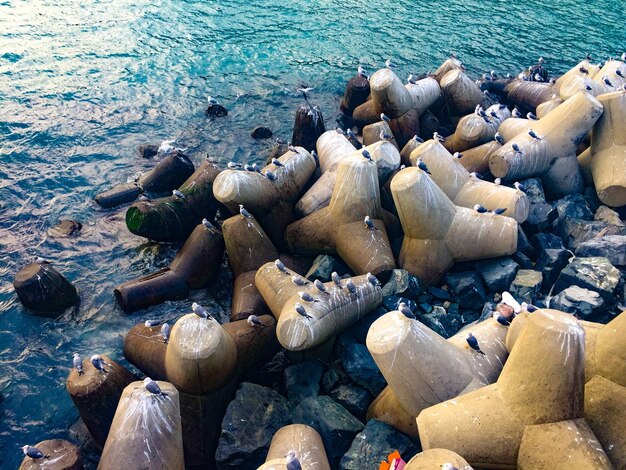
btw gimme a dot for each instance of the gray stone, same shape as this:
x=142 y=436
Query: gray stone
x=497 y=273
x=148 y=150
x=550 y=262
x=573 y=206
x=402 y=283
x=372 y=446
x=467 y=289
x=336 y=426
x=608 y=215
x=323 y=266
x=583 y=303
x=441 y=322
x=261 y=132
x=545 y=241
x=330 y=380
x=526 y=285
x=534 y=190
x=595 y=273
x=612 y=247
x=359 y=365
x=353 y=398
x=576 y=231
x=303 y=380
x=251 y=420
x=541 y=215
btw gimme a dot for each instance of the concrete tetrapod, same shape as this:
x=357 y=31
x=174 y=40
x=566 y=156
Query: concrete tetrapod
x=561 y=446
x=473 y=129
x=477 y=159
x=608 y=149
x=96 y=394
x=435 y=459
x=450 y=63
x=357 y=91
x=43 y=289
x=464 y=189
x=583 y=68
x=595 y=84
x=528 y=95
x=340 y=227
x=438 y=233
x=558 y=133
x=460 y=92
x=302 y=439
x=195 y=266
x=63 y=455
x=333 y=148
x=146 y=432
x=399 y=347
x=541 y=382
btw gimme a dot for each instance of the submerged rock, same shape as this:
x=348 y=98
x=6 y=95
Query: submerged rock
x=612 y=247
x=216 y=110
x=583 y=303
x=148 y=150
x=261 y=132
x=595 y=273
x=374 y=444
x=65 y=228
x=303 y=380
x=526 y=285
x=251 y=420
x=43 y=289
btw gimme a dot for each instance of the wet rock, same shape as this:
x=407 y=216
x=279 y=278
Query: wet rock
x=359 y=329
x=526 y=285
x=261 y=132
x=148 y=150
x=65 y=228
x=575 y=231
x=550 y=262
x=303 y=380
x=353 y=398
x=612 y=247
x=497 y=273
x=441 y=322
x=583 y=303
x=608 y=215
x=359 y=365
x=402 y=283
x=595 y=273
x=251 y=420
x=467 y=289
x=216 y=110
x=333 y=422
x=372 y=446
x=323 y=266
x=44 y=290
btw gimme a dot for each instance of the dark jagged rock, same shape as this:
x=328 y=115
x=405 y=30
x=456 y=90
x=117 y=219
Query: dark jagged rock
x=486 y=313
x=573 y=206
x=359 y=365
x=402 y=283
x=583 y=303
x=261 y=132
x=216 y=110
x=523 y=244
x=372 y=446
x=330 y=380
x=303 y=380
x=333 y=422
x=523 y=260
x=497 y=273
x=550 y=263
x=541 y=215
x=534 y=190
x=442 y=322
x=576 y=231
x=353 y=398
x=148 y=150
x=526 y=285
x=324 y=265
x=65 y=228
x=545 y=241
x=466 y=289
x=251 y=420
x=439 y=293
x=595 y=273
x=612 y=247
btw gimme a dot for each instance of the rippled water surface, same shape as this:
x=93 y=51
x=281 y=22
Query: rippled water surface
x=82 y=83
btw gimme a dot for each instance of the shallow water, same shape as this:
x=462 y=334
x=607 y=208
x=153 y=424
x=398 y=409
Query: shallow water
x=83 y=83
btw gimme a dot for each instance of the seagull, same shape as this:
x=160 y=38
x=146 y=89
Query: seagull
x=336 y=279
x=270 y=176
x=519 y=186
x=248 y=167
x=497 y=181
x=476 y=175
x=361 y=72
x=486 y=76
x=457 y=155
x=351 y=287
x=481 y=112
x=165 y=332
x=298 y=280
x=499 y=138
x=515 y=147
x=300 y=310
x=34 y=453
x=538 y=78
x=177 y=194
x=532 y=134
x=583 y=70
x=606 y=80
x=448 y=466
x=233 y=165
x=207 y=224
x=623 y=57
x=153 y=387
x=40 y=260
x=373 y=280
x=280 y=266
x=418 y=139
x=369 y=223
x=244 y=212
x=410 y=80
x=532 y=117
x=499 y=210
x=307 y=297
x=406 y=311
x=98 y=363
x=350 y=134
x=314 y=154
x=293 y=149
x=384 y=136
x=320 y=286
x=77 y=362
x=493 y=114
x=422 y=166
x=509 y=300
x=473 y=343
x=292 y=461
x=438 y=137
x=366 y=155
x=619 y=73
x=200 y=311
x=339 y=130
x=501 y=319
x=277 y=162
x=384 y=117
x=516 y=113
x=212 y=101
x=480 y=209
x=254 y=321
x=588 y=57
x=529 y=307
x=151 y=323
x=389 y=64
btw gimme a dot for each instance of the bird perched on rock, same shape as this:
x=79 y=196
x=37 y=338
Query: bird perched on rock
x=366 y=155
x=99 y=363
x=300 y=310
x=244 y=212
x=77 y=362
x=351 y=287
x=277 y=162
x=384 y=117
x=212 y=101
x=307 y=297
x=336 y=279
x=373 y=280
x=519 y=186
x=200 y=311
x=165 y=332
x=480 y=209
x=177 y=194
x=153 y=387
x=533 y=134
x=319 y=285
x=501 y=319
x=384 y=136
x=499 y=210
x=369 y=223
x=280 y=266
x=405 y=310
x=254 y=321
x=422 y=166
x=498 y=138
x=473 y=343
x=292 y=461
x=34 y=453
x=298 y=280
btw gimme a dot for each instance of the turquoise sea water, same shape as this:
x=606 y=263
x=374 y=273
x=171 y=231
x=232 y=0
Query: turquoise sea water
x=82 y=83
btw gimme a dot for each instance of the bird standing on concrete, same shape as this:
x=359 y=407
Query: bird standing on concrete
x=177 y=194
x=422 y=166
x=200 y=311
x=292 y=461
x=77 y=362
x=165 y=332
x=280 y=266
x=153 y=387
x=473 y=343
x=373 y=280
x=34 y=453
x=244 y=212
x=99 y=363
x=336 y=279
x=300 y=310
x=254 y=321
